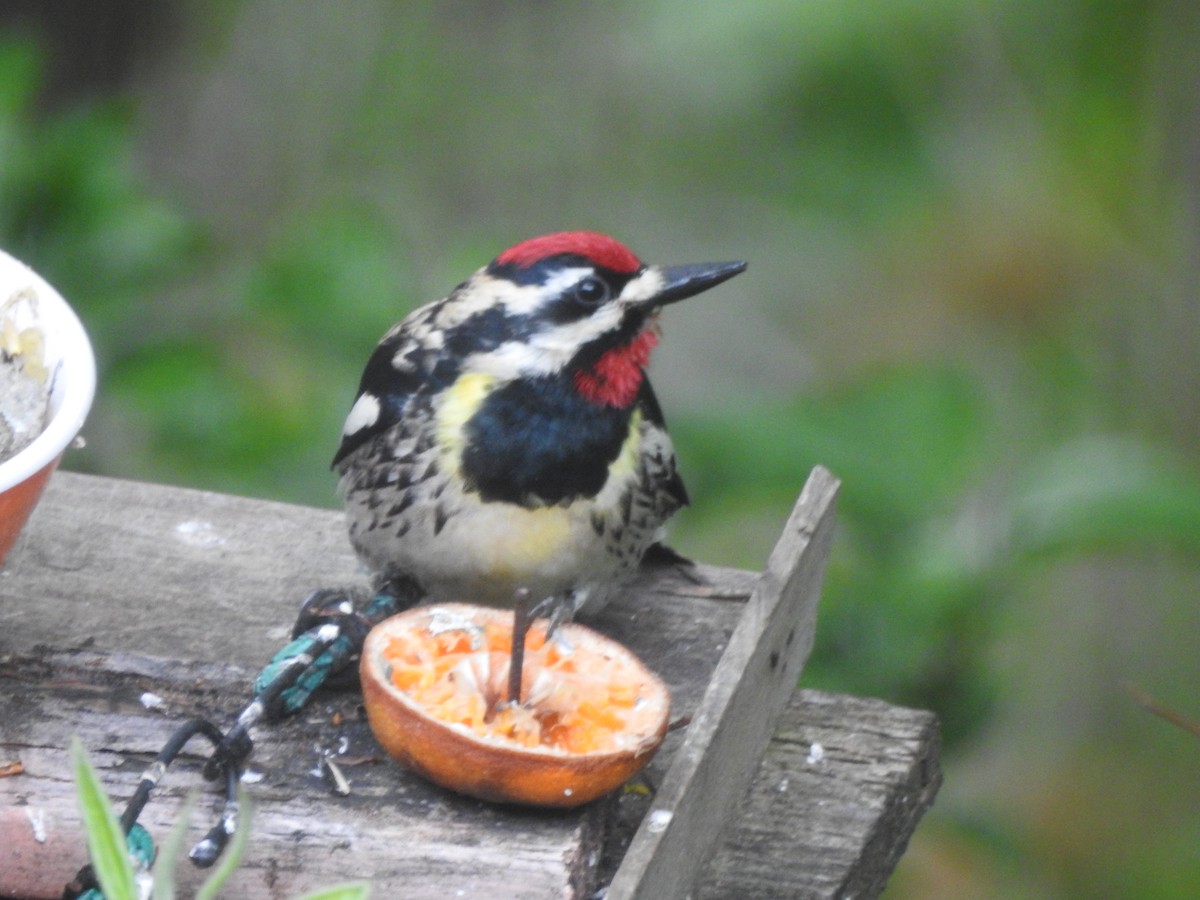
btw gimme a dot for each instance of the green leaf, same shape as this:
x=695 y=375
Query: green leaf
x=105 y=840
x=233 y=853
x=356 y=890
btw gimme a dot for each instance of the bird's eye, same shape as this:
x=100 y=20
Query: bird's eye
x=591 y=291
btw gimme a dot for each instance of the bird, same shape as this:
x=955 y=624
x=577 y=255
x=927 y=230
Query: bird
x=505 y=441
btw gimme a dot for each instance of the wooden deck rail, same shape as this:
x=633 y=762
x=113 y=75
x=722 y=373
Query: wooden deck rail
x=126 y=608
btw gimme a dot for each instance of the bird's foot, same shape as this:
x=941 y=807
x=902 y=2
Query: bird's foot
x=558 y=608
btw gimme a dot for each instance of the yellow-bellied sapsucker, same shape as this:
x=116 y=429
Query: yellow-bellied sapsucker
x=507 y=437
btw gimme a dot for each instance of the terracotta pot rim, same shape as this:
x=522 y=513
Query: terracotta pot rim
x=73 y=366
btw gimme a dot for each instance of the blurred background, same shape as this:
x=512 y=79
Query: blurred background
x=974 y=236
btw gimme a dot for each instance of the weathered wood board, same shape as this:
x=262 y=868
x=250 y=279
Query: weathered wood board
x=841 y=788
x=755 y=677
x=120 y=588
x=140 y=574
x=407 y=837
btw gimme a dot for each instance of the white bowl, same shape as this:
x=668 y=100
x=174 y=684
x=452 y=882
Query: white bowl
x=68 y=356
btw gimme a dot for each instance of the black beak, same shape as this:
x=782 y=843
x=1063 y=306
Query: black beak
x=681 y=282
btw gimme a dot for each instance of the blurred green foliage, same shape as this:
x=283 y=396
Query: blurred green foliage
x=972 y=229
x=69 y=198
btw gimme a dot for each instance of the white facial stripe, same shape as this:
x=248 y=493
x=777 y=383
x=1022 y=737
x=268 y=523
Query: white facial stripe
x=363 y=414
x=545 y=351
x=516 y=359
x=642 y=288
x=522 y=301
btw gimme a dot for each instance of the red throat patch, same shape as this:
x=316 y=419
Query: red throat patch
x=617 y=376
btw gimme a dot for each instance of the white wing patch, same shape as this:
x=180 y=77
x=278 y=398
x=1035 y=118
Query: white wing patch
x=363 y=414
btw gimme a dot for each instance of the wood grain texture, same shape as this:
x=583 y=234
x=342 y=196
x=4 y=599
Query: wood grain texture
x=753 y=681
x=118 y=588
x=840 y=789
x=176 y=573
x=408 y=837
x=184 y=594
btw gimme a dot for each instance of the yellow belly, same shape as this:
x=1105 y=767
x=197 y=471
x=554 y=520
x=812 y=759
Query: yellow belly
x=527 y=541
x=486 y=552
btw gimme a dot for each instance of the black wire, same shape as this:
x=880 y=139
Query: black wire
x=208 y=850
x=85 y=878
x=158 y=768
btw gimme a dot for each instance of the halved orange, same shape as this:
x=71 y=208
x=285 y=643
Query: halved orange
x=435 y=686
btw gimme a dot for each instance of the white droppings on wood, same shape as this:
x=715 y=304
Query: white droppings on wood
x=658 y=820
x=37 y=823
x=197 y=533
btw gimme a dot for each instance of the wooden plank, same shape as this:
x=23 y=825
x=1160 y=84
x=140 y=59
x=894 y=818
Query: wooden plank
x=409 y=838
x=840 y=789
x=753 y=681
x=176 y=573
x=126 y=576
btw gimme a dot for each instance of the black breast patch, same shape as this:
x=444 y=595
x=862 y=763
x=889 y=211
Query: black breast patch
x=536 y=442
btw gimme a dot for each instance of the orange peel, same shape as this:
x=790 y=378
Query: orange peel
x=435 y=684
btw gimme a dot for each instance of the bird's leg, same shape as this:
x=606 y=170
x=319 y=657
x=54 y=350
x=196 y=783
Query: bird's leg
x=558 y=608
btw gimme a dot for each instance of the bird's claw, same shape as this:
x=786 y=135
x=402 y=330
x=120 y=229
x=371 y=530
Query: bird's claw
x=557 y=608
